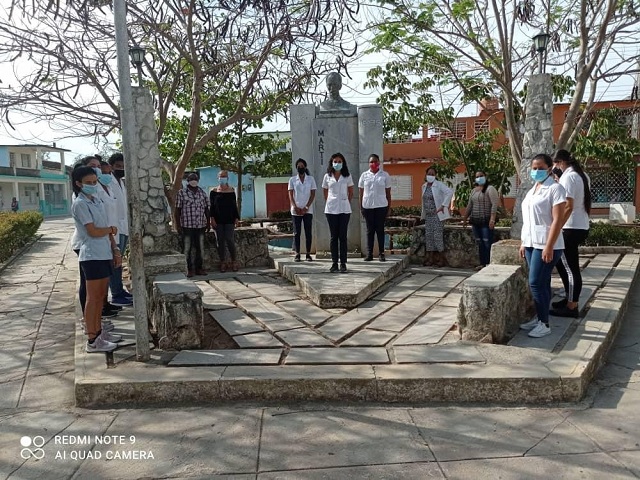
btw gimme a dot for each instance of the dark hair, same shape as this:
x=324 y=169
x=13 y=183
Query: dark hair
x=304 y=162
x=426 y=172
x=565 y=156
x=116 y=157
x=86 y=160
x=99 y=157
x=79 y=172
x=373 y=155
x=546 y=158
x=344 y=171
x=486 y=182
x=103 y=163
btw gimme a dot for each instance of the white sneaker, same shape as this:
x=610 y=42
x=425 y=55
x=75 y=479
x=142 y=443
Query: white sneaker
x=531 y=324
x=560 y=293
x=100 y=345
x=111 y=337
x=107 y=327
x=541 y=330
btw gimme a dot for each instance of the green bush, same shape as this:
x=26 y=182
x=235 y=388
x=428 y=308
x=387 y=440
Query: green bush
x=16 y=229
x=504 y=222
x=281 y=215
x=403 y=211
x=607 y=234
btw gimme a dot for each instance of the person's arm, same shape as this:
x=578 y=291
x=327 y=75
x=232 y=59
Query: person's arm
x=387 y=193
x=325 y=188
x=361 y=195
x=571 y=188
x=98 y=232
x=556 y=228
x=468 y=210
x=568 y=210
x=117 y=254
x=177 y=219
x=207 y=211
x=493 y=198
x=350 y=192
x=236 y=213
x=448 y=195
x=312 y=197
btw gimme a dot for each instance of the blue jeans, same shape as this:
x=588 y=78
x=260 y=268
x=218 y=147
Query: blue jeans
x=484 y=239
x=540 y=280
x=115 y=282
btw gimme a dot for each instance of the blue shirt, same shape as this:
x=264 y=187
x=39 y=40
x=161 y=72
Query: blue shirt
x=85 y=211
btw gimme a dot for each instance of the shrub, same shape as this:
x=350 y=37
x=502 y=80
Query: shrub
x=281 y=215
x=403 y=211
x=504 y=222
x=607 y=234
x=16 y=229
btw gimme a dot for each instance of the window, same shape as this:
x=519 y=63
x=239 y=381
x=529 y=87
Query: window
x=608 y=187
x=481 y=125
x=401 y=187
x=12 y=159
x=25 y=160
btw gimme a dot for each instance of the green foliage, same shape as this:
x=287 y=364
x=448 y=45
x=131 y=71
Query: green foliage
x=504 y=222
x=280 y=215
x=406 y=211
x=607 y=143
x=607 y=234
x=402 y=240
x=16 y=229
x=479 y=154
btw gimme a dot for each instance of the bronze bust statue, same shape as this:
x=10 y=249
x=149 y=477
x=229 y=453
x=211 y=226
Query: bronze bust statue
x=335 y=104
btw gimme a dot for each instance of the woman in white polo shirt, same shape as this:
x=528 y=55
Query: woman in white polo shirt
x=574 y=232
x=542 y=242
x=375 y=200
x=337 y=186
x=302 y=192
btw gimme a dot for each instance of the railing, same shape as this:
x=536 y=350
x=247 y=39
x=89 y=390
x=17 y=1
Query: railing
x=27 y=172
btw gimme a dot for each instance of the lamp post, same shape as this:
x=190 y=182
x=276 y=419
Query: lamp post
x=137 y=58
x=540 y=42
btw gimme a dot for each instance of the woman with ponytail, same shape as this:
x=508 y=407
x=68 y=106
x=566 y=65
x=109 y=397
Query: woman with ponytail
x=575 y=230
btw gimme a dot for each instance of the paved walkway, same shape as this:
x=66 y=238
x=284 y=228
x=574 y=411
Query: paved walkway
x=596 y=439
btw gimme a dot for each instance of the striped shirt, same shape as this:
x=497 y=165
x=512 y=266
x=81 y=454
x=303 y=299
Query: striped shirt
x=194 y=208
x=482 y=205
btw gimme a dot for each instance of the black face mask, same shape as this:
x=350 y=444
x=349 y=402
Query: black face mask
x=118 y=173
x=302 y=170
x=557 y=172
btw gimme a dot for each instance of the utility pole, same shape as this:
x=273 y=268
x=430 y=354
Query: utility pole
x=128 y=127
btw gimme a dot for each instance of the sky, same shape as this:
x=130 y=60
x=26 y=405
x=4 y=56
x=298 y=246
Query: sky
x=353 y=90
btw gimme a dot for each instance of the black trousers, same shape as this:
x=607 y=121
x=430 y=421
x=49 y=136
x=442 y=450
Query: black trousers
x=298 y=220
x=338 y=226
x=569 y=264
x=193 y=239
x=374 y=218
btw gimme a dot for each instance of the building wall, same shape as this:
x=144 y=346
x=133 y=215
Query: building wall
x=4 y=156
x=261 y=193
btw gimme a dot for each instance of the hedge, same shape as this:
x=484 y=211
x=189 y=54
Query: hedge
x=607 y=234
x=16 y=229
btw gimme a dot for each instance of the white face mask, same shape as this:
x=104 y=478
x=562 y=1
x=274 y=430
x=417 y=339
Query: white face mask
x=431 y=178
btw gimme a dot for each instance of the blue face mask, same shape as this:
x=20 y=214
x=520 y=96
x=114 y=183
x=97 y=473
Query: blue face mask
x=223 y=180
x=539 y=175
x=481 y=180
x=89 y=189
x=104 y=179
x=337 y=166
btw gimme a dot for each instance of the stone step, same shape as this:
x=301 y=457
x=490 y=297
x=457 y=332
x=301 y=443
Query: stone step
x=342 y=356
x=235 y=322
x=190 y=358
x=212 y=299
x=257 y=340
x=430 y=328
x=306 y=311
x=403 y=314
x=272 y=316
x=455 y=353
x=303 y=337
x=404 y=288
x=441 y=286
x=598 y=269
x=232 y=289
x=338 y=328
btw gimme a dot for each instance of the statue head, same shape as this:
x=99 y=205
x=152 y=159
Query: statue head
x=334 y=84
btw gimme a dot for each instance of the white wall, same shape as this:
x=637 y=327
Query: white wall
x=260 y=193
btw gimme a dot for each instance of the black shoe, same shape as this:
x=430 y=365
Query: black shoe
x=334 y=268
x=368 y=258
x=297 y=259
x=343 y=268
x=565 y=312
x=309 y=259
x=381 y=258
x=107 y=313
x=111 y=306
x=559 y=304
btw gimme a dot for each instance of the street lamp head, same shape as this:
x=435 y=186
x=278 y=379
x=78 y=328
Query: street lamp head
x=540 y=41
x=137 y=55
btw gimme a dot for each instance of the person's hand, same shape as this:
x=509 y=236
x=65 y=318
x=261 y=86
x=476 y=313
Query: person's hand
x=213 y=223
x=299 y=211
x=521 y=251
x=547 y=254
x=208 y=228
x=492 y=224
x=113 y=231
x=178 y=229
x=440 y=210
x=117 y=259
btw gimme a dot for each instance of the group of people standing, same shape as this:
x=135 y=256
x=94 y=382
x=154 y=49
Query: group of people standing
x=99 y=211
x=374 y=188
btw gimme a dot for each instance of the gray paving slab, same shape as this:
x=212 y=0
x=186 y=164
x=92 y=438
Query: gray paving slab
x=598 y=269
x=404 y=471
x=306 y=311
x=59 y=388
x=404 y=288
x=334 y=438
x=403 y=314
x=187 y=358
x=14 y=359
x=10 y=393
x=342 y=355
x=212 y=299
x=484 y=433
x=451 y=300
x=235 y=322
x=441 y=286
x=630 y=460
x=369 y=338
x=303 y=337
x=342 y=326
x=455 y=353
x=233 y=289
x=275 y=293
x=593 y=466
x=193 y=442
x=430 y=328
x=275 y=318
x=257 y=340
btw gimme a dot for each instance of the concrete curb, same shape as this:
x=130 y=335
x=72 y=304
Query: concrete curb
x=564 y=378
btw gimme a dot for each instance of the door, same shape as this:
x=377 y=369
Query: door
x=277 y=197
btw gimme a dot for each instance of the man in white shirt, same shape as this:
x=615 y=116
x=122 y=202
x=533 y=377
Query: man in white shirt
x=119 y=296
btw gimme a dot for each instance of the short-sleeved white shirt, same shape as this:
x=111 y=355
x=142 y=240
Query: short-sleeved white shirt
x=85 y=211
x=574 y=186
x=338 y=195
x=374 y=185
x=537 y=215
x=302 y=191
